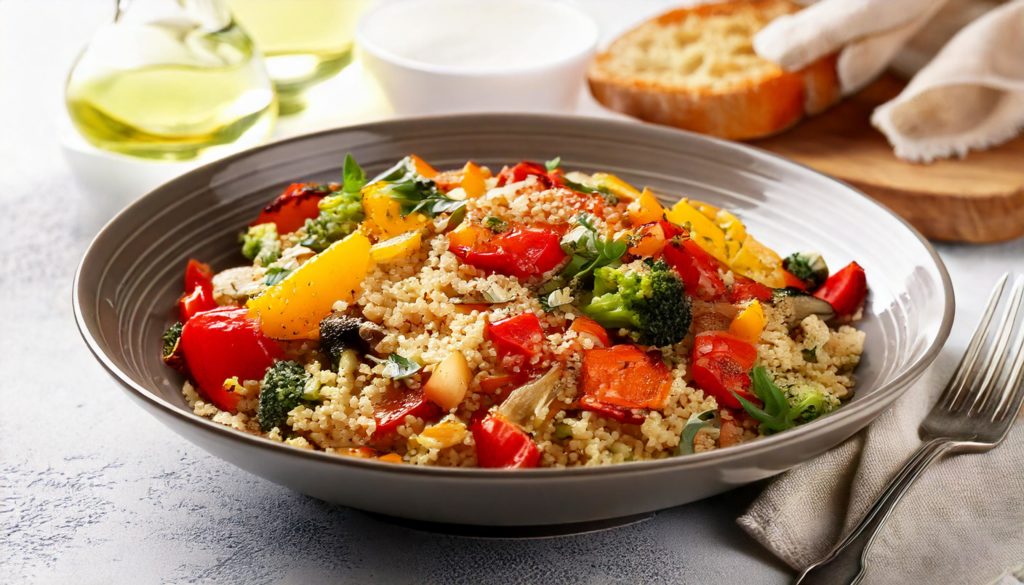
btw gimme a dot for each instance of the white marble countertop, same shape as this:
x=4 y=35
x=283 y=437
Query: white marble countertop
x=94 y=491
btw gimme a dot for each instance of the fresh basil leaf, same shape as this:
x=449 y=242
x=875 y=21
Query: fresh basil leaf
x=694 y=424
x=553 y=164
x=353 y=176
x=275 y=274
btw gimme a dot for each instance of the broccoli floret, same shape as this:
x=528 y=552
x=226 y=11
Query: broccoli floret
x=260 y=243
x=282 y=390
x=808 y=401
x=340 y=214
x=809 y=267
x=649 y=300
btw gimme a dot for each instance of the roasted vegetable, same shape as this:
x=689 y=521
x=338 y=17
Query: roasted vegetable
x=501 y=443
x=340 y=332
x=845 y=290
x=171 y=352
x=398 y=403
x=225 y=343
x=526 y=405
x=340 y=214
x=650 y=300
x=809 y=267
x=260 y=243
x=720 y=363
x=293 y=308
x=290 y=210
x=784 y=410
x=281 y=391
x=625 y=376
x=198 y=295
x=518 y=251
x=449 y=381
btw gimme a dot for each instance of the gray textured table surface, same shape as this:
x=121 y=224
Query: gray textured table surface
x=94 y=491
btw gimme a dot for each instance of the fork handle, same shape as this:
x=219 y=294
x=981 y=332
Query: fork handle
x=845 y=562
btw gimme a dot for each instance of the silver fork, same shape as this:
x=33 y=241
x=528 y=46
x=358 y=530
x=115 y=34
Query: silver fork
x=973 y=415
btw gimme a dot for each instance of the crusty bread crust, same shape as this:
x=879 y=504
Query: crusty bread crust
x=751 y=99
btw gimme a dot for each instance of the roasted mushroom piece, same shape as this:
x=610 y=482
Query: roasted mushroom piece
x=339 y=332
x=798 y=305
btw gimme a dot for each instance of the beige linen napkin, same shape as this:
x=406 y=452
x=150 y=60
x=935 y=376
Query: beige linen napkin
x=867 y=34
x=962 y=522
x=970 y=96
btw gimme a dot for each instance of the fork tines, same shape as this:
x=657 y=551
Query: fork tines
x=986 y=381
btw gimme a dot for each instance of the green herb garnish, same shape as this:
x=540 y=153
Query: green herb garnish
x=276 y=274
x=397 y=367
x=694 y=424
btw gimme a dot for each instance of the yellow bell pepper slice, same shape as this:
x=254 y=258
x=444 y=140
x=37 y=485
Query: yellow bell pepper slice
x=617 y=186
x=293 y=308
x=735 y=231
x=384 y=217
x=759 y=262
x=447 y=433
x=704 y=232
x=749 y=323
x=396 y=248
x=473 y=180
x=645 y=209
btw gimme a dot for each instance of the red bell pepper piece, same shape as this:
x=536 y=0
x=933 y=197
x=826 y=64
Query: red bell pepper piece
x=720 y=365
x=519 y=252
x=399 y=403
x=697 y=268
x=585 y=326
x=791 y=281
x=710 y=342
x=625 y=376
x=629 y=416
x=745 y=289
x=518 y=339
x=525 y=169
x=198 y=295
x=224 y=343
x=290 y=210
x=720 y=375
x=195 y=302
x=197 y=273
x=502 y=444
x=845 y=290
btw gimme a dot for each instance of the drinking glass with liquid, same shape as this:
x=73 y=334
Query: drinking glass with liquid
x=171 y=79
x=303 y=42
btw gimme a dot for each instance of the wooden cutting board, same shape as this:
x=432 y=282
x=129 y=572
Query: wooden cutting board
x=976 y=199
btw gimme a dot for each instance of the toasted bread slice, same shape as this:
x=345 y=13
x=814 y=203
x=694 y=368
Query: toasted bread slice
x=695 y=68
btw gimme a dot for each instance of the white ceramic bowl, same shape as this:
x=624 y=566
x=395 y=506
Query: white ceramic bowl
x=433 y=56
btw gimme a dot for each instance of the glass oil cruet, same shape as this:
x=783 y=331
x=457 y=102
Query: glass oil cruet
x=170 y=80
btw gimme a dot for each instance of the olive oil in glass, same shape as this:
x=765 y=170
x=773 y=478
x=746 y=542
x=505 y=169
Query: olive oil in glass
x=303 y=41
x=178 y=80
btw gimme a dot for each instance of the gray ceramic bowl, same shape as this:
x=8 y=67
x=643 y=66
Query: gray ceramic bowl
x=129 y=279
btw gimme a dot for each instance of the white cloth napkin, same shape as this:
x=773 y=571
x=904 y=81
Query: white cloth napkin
x=970 y=96
x=962 y=523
